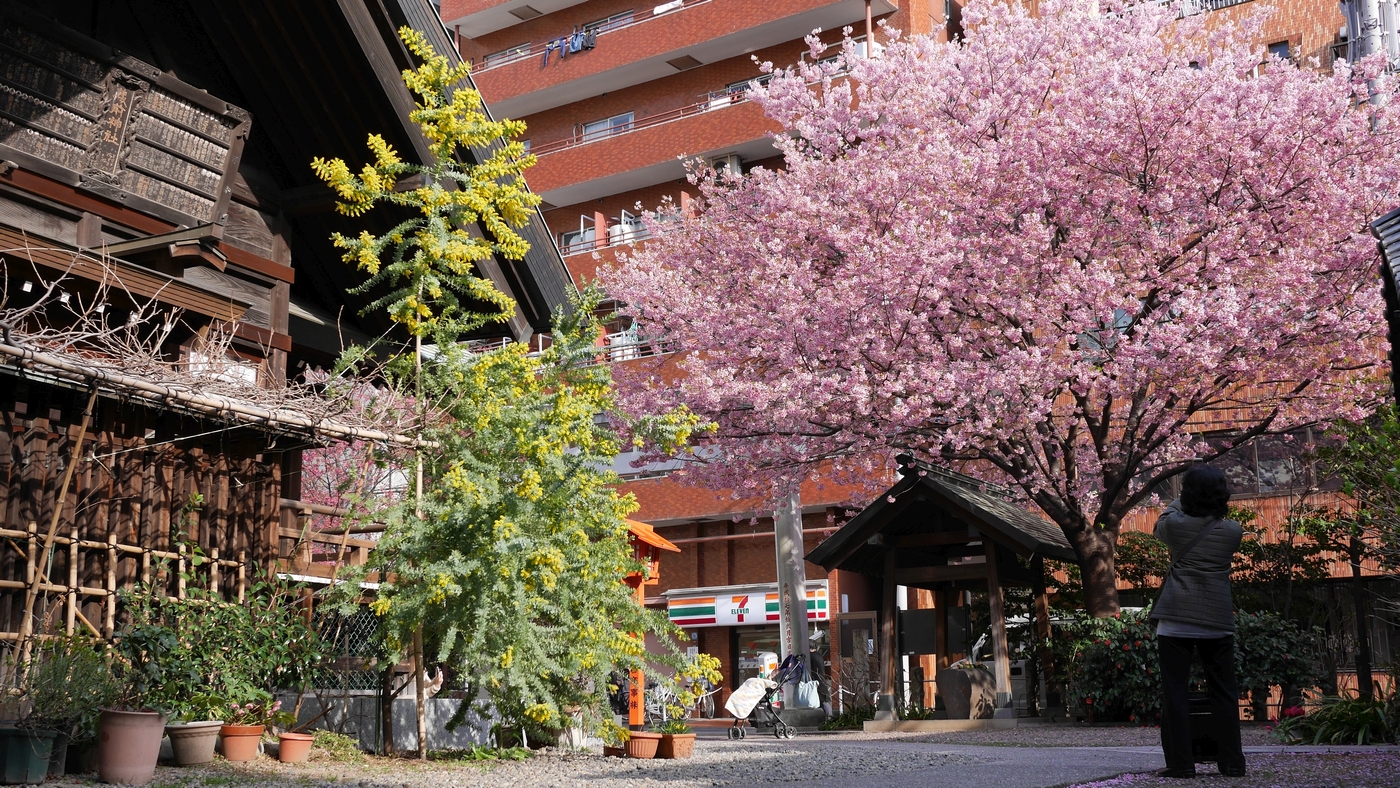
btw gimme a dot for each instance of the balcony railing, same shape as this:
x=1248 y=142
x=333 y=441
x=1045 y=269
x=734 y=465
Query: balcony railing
x=712 y=102
x=618 y=235
x=626 y=345
x=538 y=50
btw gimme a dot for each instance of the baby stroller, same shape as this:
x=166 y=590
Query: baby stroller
x=757 y=694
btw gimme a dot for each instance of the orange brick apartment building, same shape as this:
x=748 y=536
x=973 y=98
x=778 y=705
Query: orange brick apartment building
x=614 y=93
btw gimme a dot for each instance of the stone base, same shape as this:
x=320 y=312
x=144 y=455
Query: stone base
x=938 y=726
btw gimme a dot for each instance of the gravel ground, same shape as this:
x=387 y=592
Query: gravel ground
x=1024 y=757
x=1300 y=770
x=714 y=764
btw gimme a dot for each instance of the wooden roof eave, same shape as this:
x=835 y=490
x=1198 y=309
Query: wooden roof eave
x=120 y=274
x=843 y=546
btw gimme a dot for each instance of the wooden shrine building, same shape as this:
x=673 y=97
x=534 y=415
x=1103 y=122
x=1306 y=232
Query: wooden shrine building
x=945 y=532
x=157 y=156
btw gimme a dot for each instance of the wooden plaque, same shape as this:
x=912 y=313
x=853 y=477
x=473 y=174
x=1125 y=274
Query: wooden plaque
x=83 y=113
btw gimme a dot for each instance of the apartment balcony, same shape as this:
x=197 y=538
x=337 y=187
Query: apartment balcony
x=648 y=151
x=673 y=37
x=476 y=18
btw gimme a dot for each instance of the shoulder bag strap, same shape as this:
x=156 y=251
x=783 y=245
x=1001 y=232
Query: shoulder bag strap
x=1191 y=545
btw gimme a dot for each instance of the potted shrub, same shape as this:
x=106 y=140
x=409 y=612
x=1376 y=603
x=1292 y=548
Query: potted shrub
x=194 y=729
x=245 y=725
x=677 y=740
x=130 y=731
x=68 y=682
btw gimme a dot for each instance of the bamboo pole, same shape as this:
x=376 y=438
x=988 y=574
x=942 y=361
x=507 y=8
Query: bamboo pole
x=180 y=571
x=110 y=603
x=72 y=612
x=27 y=623
x=214 y=578
x=207 y=405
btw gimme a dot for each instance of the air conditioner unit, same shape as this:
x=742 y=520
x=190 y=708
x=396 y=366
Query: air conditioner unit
x=731 y=162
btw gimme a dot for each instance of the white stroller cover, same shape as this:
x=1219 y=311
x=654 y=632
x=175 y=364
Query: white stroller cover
x=741 y=703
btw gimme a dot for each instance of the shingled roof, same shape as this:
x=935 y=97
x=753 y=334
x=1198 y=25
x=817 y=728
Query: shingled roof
x=931 y=499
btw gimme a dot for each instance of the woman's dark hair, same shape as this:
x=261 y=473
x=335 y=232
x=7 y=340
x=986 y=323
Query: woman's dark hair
x=1204 y=492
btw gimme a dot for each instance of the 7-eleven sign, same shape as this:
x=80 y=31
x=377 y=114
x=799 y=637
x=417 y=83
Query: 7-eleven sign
x=739 y=607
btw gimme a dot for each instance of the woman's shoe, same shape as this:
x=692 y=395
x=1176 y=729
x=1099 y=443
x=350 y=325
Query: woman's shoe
x=1178 y=773
x=1232 y=771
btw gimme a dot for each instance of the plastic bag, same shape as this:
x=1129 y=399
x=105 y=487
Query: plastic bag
x=807 y=697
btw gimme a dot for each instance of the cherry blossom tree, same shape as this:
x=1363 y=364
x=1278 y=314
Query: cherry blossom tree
x=1065 y=249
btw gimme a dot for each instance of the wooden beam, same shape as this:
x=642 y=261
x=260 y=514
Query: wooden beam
x=889 y=658
x=939 y=574
x=84 y=201
x=1042 y=626
x=1001 y=660
x=942 y=600
x=257 y=264
x=936 y=539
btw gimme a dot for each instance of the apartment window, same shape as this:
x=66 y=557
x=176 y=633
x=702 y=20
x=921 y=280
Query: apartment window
x=1281 y=50
x=519 y=50
x=526 y=143
x=616 y=20
x=607 y=127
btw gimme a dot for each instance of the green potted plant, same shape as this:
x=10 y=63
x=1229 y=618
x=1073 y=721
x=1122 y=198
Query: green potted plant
x=677 y=740
x=68 y=682
x=130 y=731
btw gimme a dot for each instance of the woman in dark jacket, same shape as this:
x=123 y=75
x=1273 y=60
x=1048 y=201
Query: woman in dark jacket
x=1196 y=614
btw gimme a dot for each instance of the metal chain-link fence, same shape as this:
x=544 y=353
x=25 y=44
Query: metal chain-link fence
x=352 y=645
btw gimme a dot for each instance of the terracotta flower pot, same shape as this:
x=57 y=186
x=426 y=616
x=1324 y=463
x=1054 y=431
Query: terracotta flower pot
x=192 y=743
x=241 y=741
x=293 y=747
x=614 y=752
x=676 y=745
x=643 y=744
x=128 y=746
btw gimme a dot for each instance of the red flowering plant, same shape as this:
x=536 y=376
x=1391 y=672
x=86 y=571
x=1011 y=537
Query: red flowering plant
x=1113 y=667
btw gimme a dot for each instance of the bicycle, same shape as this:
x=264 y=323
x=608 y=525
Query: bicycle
x=657 y=703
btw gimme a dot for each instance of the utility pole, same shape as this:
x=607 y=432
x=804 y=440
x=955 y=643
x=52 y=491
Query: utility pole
x=792 y=585
x=1368 y=38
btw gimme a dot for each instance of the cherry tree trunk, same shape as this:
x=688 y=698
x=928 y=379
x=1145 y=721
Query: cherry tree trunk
x=1094 y=546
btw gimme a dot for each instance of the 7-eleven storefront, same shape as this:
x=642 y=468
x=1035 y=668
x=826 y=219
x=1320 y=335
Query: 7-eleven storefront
x=739 y=625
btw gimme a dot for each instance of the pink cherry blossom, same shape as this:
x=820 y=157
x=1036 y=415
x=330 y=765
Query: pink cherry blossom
x=1060 y=249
